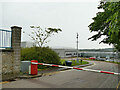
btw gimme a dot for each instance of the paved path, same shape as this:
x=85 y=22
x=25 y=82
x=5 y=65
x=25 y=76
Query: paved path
x=72 y=79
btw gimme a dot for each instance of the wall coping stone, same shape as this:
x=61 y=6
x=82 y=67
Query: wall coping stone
x=6 y=50
x=16 y=27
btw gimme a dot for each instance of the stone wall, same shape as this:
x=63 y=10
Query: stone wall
x=11 y=57
x=7 y=64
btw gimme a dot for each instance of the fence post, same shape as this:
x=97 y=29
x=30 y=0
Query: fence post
x=16 y=46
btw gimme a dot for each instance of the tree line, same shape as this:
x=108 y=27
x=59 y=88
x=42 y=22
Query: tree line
x=107 y=23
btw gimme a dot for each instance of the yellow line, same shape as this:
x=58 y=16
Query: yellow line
x=3 y=82
x=118 y=85
x=51 y=73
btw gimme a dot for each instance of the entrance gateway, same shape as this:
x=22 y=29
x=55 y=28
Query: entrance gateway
x=33 y=68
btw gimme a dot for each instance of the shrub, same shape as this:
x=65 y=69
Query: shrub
x=42 y=54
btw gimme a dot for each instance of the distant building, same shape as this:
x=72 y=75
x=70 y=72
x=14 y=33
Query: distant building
x=83 y=53
x=65 y=52
x=27 y=44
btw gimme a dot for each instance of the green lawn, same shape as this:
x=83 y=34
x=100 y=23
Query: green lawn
x=74 y=62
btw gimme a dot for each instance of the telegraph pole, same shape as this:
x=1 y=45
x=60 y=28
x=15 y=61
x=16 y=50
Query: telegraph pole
x=77 y=48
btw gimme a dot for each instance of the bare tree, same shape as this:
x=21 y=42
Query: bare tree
x=41 y=36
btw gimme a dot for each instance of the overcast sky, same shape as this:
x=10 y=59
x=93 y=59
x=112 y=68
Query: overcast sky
x=71 y=16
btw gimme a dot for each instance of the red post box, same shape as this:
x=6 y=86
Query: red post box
x=34 y=67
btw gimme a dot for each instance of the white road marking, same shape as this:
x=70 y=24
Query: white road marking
x=89 y=66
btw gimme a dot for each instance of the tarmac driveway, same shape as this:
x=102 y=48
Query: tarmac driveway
x=72 y=79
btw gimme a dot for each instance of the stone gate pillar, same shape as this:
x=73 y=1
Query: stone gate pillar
x=16 y=46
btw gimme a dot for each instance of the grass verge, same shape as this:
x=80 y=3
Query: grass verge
x=62 y=61
x=74 y=62
x=47 y=68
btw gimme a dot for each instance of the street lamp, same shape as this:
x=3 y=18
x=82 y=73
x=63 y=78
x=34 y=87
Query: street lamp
x=77 y=48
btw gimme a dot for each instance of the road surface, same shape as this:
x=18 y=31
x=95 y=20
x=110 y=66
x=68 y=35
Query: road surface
x=72 y=79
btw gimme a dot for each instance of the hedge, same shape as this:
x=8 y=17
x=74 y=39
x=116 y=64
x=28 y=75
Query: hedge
x=42 y=54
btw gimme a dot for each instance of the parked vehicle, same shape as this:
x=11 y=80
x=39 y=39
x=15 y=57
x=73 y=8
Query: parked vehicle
x=98 y=58
x=92 y=58
x=110 y=60
x=107 y=57
x=101 y=59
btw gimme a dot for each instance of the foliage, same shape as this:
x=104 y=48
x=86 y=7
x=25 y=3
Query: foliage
x=107 y=23
x=74 y=62
x=42 y=54
x=40 y=36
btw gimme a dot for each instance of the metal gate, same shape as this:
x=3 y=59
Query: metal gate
x=5 y=38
